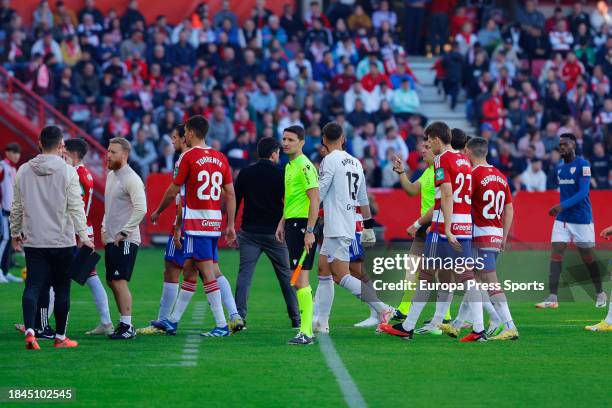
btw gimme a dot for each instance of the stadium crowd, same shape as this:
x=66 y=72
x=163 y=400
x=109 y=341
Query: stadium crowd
x=527 y=78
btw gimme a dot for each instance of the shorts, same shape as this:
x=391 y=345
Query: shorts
x=200 y=248
x=488 y=259
x=418 y=243
x=356 y=249
x=295 y=229
x=120 y=260
x=583 y=235
x=173 y=254
x=437 y=246
x=336 y=248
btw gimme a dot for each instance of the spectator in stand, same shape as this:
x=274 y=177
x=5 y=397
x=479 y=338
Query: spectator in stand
x=71 y=50
x=452 y=63
x=131 y=17
x=43 y=16
x=405 y=101
x=143 y=153
x=374 y=78
x=493 y=112
x=489 y=36
x=552 y=21
x=552 y=174
x=532 y=140
x=414 y=11
x=87 y=85
x=392 y=140
x=90 y=8
x=535 y=43
x=561 y=39
x=314 y=13
x=529 y=16
x=225 y=13
x=601 y=16
x=90 y=30
x=534 y=178
x=438 y=24
x=466 y=39
x=47 y=45
x=117 y=126
x=577 y=17
x=359 y=19
x=221 y=129
x=384 y=14
x=601 y=164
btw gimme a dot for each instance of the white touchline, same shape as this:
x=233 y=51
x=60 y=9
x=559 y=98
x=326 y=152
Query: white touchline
x=191 y=349
x=349 y=389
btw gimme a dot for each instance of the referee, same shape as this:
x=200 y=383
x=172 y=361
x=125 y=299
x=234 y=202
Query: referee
x=47 y=232
x=263 y=208
x=124 y=208
x=424 y=185
x=297 y=224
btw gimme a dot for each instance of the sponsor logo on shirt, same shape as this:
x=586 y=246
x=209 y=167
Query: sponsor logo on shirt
x=439 y=174
x=572 y=170
x=211 y=223
x=586 y=171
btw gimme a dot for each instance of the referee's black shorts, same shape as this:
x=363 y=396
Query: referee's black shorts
x=120 y=260
x=295 y=229
x=418 y=243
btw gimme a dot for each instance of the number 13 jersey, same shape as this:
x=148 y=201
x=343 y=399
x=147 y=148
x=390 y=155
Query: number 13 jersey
x=491 y=193
x=342 y=189
x=203 y=171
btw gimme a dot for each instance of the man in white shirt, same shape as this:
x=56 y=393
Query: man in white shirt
x=342 y=190
x=533 y=178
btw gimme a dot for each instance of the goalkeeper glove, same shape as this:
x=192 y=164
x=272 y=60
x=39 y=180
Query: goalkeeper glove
x=368 y=238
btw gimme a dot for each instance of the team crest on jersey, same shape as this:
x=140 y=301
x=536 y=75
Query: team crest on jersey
x=586 y=171
x=439 y=174
x=572 y=170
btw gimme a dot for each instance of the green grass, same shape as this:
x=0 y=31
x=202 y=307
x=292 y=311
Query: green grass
x=555 y=363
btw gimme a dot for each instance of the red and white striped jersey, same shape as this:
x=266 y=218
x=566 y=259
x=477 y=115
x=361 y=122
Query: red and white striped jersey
x=490 y=195
x=87 y=185
x=454 y=168
x=203 y=172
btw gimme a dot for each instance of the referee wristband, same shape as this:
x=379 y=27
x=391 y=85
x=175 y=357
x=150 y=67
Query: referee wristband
x=417 y=224
x=369 y=223
x=310 y=230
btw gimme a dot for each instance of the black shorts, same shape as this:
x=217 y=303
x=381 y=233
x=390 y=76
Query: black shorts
x=120 y=260
x=295 y=229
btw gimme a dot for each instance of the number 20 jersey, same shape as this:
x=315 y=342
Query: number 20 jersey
x=203 y=172
x=490 y=194
x=453 y=167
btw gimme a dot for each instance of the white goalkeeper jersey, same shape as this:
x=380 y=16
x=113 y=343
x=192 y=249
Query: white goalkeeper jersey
x=341 y=190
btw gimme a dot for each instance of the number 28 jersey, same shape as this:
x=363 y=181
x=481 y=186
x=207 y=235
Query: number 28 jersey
x=490 y=195
x=203 y=172
x=453 y=167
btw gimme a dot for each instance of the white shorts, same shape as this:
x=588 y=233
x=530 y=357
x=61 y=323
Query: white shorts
x=582 y=235
x=336 y=248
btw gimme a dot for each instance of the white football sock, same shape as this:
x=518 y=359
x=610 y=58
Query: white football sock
x=184 y=297
x=51 y=302
x=462 y=315
x=500 y=303
x=168 y=298
x=214 y=300
x=126 y=319
x=324 y=298
x=419 y=300
x=353 y=285
x=100 y=298
x=489 y=308
x=609 y=317
x=373 y=312
x=60 y=336
x=474 y=296
x=227 y=296
x=443 y=302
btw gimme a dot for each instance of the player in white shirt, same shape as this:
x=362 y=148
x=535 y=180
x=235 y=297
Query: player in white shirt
x=342 y=190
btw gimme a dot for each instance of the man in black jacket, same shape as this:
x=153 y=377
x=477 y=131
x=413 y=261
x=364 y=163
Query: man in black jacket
x=262 y=188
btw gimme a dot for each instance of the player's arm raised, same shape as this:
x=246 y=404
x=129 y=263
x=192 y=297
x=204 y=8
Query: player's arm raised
x=230 y=204
x=409 y=187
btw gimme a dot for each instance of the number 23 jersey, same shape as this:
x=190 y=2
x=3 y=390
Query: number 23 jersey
x=454 y=168
x=203 y=171
x=342 y=190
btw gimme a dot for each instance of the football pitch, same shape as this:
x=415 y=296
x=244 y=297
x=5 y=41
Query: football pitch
x=554 y=363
